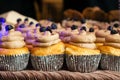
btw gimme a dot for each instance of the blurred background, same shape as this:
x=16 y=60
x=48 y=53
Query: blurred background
x=39 y=9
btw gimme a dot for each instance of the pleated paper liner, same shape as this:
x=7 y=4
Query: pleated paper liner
x=47 y=63
x=110 y=62
x=83 y=63
x=13 y=62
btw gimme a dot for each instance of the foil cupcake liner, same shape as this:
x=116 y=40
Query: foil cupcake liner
x=13 y=62
x=83 y=63
x=47 y=63
x=109 y=62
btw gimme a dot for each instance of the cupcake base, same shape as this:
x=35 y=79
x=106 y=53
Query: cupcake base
x=83 y=63
x=47 y=63
x=13 y=62
x=109 y=62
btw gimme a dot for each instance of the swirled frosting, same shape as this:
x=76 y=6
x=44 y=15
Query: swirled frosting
x=112 y=40
x=65 y=35
x=84 y=39
x=45 y=39
x=30 y=38
x=13 y=39
x=100 y=35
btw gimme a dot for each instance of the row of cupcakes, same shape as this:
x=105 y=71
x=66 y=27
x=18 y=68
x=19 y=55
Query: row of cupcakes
x=48 y=50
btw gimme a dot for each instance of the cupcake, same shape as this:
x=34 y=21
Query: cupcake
x=81 y=52
x=48 y=51
x=111 y=52
x=13 y=53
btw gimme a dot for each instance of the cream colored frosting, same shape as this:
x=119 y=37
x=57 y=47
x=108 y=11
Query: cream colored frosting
x=26 y=28
x=13 y=39
x=30 y=38
x=45 y=39
x=65 y=35
x=112 y=40
x=102 y=33
x=84 y=39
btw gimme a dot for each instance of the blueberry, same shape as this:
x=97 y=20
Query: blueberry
x=2 y=20
x=110 y=28
x=26 y=19
x=74 y=27
x=83 y=28
x=38 y=25
x=53 y=26
x=83 y=21
x=49 y=29
x=31 y=23
x=21 y=26
x=116 y=25
x=91 y=30
x=114 y=32
x=42 y=29
x=18 y=20
x=8 y=27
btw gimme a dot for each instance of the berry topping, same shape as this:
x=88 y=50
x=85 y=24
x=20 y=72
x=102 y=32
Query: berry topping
x=49 y=29
x=21 y=26
x=8 y=27
x=42 y=29
x=53 y=26
x=31 y=23
x=2 y=20
x=91 y=30
x=38 y=25
x=18 y=20
x=83 y=21
x=110 y=28
x=74 y=27
x=26 y=19
x=114 y=32
x=83 y=28
x=116 y=25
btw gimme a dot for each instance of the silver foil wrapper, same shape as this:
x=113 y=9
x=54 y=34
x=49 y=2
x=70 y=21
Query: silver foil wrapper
x=83 y=63
x=47 y=63
x=13 y=62
x=110 y=62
